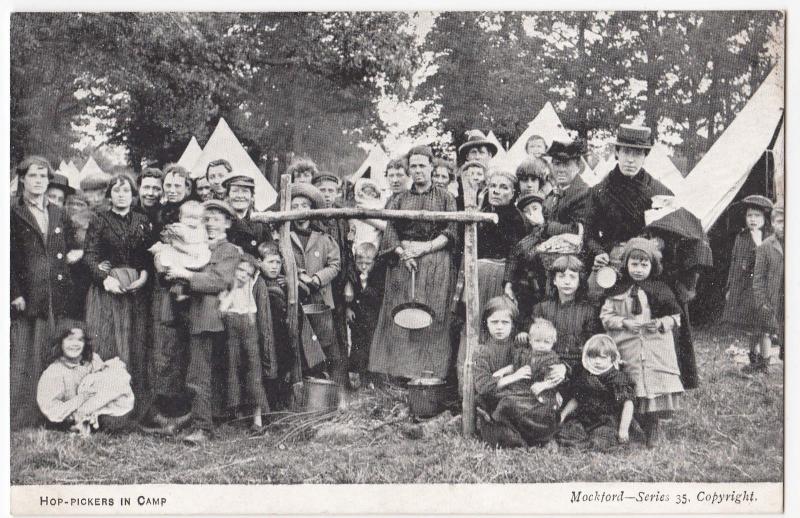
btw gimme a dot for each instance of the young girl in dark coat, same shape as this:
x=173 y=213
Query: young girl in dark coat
x=740 y=308
x=275 y=375
x=601 y=409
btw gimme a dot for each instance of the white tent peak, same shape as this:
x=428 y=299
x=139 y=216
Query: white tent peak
x=547 y=125
x=224 y=144
x=90 y=168
x=716 y=179
x=72 y=173
x=496 y=141
x=190 y=154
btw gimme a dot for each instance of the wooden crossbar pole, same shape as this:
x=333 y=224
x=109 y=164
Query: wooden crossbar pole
x=359 y=213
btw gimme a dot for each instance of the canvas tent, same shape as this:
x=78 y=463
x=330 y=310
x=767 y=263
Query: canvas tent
x=657 y=163
x=546 y=124
x=62 y=168
x=744 y=160
x=224 y=144
x=719 y=176
x=190 y=154
x=72 y=174
x=501 y=151
x=373 y=168
x=89 y=168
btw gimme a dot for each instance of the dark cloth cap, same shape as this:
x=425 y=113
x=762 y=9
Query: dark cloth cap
x=306 y=190
x=324 y=177
x=221 y=206
x=638 y=137
x=238 y=179
x=758 y=202
x=567 y=149
x=527 y=199
x=476 y=138
x=60 y=181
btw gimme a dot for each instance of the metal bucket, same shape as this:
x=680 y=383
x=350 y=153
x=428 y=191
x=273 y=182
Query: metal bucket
x=319 y=395
x=426 y=396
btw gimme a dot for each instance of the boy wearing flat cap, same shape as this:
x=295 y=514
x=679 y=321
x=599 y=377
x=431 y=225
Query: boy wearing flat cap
x=206 y=329
x=244 y=232
x=318 y=263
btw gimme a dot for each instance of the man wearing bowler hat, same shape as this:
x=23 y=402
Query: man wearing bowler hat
x=58 y=189
x=617 y=215
x=244 y=232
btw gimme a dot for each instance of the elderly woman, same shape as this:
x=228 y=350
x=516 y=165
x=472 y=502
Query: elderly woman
x=424 y=247
x=118 y=237
x=206 y=329
x=42 y=241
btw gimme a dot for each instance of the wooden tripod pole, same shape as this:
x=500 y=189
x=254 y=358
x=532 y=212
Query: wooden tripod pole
x=290 y=267
x=472 y=303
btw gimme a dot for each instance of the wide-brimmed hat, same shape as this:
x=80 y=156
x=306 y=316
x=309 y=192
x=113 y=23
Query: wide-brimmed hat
x=306 y=190
x=757 y=201
x=242 y=180
x=221 y=206
x=324 y=176
x=527 y=199
x=629 y=135
x=60 y=181
x=476 y=138
x=567 y=149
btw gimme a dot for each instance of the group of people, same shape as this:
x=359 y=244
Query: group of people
x=168 y=285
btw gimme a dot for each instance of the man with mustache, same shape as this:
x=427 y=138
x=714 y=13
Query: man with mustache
x=567 y=207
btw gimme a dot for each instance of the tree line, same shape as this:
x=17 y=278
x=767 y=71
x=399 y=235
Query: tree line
x=308 y=83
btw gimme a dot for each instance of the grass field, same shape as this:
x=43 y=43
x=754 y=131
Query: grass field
x=731 y=430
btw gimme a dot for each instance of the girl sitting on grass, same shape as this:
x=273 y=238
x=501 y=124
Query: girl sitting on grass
x=80 y=391
x=601 y=409
x=639 y=315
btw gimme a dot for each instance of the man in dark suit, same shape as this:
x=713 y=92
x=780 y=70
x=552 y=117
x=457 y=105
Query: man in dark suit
x=42 y=248
x=567 y=207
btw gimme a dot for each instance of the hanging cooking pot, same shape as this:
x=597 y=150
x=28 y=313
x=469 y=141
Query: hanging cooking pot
x=413 y=315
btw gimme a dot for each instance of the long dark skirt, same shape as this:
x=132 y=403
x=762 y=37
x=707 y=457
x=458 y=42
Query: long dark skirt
x=114 y=323
x=31 y=341
x=536 y=421
x=408 y=353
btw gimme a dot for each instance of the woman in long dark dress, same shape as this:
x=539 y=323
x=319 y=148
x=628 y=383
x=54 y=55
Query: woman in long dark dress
x=425 y=247
x=119 y=236
x=42 y=247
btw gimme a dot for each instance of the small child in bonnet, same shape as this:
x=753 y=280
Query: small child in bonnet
x=600 y=412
